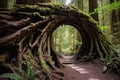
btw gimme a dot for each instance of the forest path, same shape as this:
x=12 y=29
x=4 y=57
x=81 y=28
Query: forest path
x=84 y=70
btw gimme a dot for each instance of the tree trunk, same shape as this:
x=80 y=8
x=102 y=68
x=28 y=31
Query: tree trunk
x=78 y=3
x=86 y=6
x=107 y=20
x=115 y=25
x=92 y=5
x=3 y=3
x=11 y=3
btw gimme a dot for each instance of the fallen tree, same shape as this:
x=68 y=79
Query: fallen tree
x=25 y=37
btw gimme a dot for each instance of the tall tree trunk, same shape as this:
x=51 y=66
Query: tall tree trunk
x=78 y=3
x=115 y=25
x=100 y=13
x=92 y=5
x=3 y=3
x=60 y=39
x=107 y=19
x=11 y=3
x=86 y=6
x=74 y=38
x=53 y=41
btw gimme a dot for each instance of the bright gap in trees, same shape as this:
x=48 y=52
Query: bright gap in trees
x=66 y=40
x=67 y=2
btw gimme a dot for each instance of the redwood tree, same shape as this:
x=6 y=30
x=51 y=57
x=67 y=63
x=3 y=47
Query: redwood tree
x=93 y=4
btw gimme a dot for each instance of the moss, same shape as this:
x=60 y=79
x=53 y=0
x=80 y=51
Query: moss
x=32 y=24
x=88 y=57
x=4 y=56
x=44 y=66
x=29 y=59
x=37 y=13
x=45 y=10
x=32 y=6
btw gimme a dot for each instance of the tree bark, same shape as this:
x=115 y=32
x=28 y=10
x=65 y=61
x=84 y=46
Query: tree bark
x=92 y=5
x=115 y=25
x=3 y=3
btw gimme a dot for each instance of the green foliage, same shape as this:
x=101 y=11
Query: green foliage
x=109 y=7
x=13 y=76
x=37 y=13
x=102 y=28
x=65 y=40
x=58 y=1
x=114 y=65
x=117 y=48
x=117 y=23
x=10 y=4
x=32 y=24
x=78 y=42
x=21 y=74
x=108 y=58
x=31 y=73
x=106 y=61
x=44 y=66
x=115 y=60
x=112 y=62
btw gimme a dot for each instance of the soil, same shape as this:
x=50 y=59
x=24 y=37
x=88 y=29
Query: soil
x=85 y=70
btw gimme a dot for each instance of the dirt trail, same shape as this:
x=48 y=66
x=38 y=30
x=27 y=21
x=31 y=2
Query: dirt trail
x=85 y=71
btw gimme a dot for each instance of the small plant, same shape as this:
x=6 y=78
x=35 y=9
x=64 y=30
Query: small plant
x=13 y=76
x=20 y=74
x=113 y=64
x=106 y=61
x=117 y=48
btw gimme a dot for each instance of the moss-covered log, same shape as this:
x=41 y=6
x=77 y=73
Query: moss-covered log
x=28 y=30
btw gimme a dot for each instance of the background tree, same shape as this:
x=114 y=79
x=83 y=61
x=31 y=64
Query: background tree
x=115 y=24
x=3 y=3
x=107 y=19
x=78 y=3
x=92 y=5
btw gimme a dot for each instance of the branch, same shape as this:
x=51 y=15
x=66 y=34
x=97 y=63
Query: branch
x=19 y=34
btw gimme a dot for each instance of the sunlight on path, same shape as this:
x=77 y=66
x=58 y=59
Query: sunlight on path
x=82 y=71
x=87 y=71
x=93 y=79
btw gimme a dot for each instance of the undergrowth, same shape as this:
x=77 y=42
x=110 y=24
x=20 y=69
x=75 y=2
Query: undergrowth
x=21 y=74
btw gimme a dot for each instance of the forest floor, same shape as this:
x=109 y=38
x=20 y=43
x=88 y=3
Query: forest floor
x=85 y=70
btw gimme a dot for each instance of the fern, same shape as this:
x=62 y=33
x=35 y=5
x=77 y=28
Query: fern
x=21 y=71
x=31 y=73
x=28 y=74
x=113 y=64
x=13 y=76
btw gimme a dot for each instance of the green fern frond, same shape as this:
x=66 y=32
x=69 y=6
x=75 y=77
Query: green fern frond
x=13 y=76
x=31 y=73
